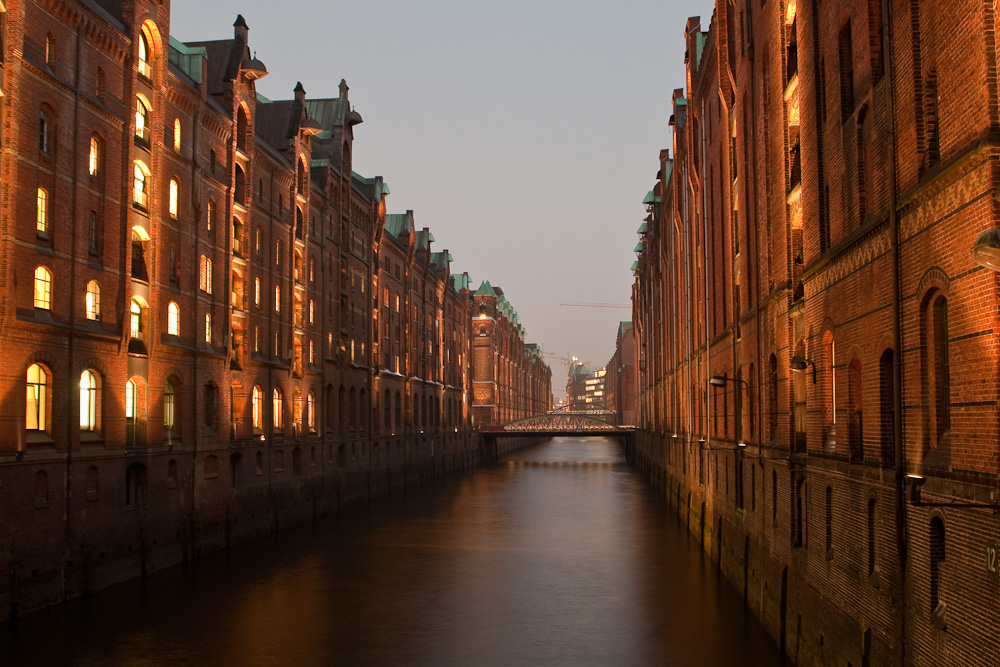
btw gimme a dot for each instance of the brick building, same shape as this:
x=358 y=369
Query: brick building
x=511 y=380
x=812 y=325
x=620 y=389
x=211 y=327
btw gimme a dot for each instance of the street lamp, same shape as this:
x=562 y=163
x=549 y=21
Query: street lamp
x=800 y=363
x=986 y=251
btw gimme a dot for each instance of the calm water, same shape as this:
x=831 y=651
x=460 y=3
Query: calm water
x=559 y=555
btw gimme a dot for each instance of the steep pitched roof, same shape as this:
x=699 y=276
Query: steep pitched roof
x=398 y=223
x=485 y=289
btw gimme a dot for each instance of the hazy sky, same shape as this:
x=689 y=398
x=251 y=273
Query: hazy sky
x=523 y=134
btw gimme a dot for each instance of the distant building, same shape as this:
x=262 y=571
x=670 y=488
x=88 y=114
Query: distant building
x=619 y=383
x=585 y=388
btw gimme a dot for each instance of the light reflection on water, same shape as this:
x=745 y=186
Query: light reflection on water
x=559 y=555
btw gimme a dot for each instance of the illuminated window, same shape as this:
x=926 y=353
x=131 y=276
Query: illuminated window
x=36 y=407
x=277 y=298
x=50 y=49
x=131 y=398
x=174 y=194
x=208 y=328
x=168 y=406
x=311 y=410
x=135 y=320
x=312 y=269
x=397 y=303
x=142 y=132
x=42 y=210
x=140 y=186
x=145 y=56
x=88 y=401
x=206 y=275
x=209 y=215
x=256 y=291
x=43 y=288
x=173 y=319
x=256 y=338
x=312 y=311
x=177 y=134
x=312 y=353
x=93 y=300
x=257 y=408
x=95 y=155
x=277 y=408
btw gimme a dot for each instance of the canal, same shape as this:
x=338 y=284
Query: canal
x=557 y=555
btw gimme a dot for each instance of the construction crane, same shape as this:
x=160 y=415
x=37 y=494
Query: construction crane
x=598 y=305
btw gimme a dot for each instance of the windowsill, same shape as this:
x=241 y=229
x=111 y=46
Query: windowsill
x=91 y=436
x=39 y=438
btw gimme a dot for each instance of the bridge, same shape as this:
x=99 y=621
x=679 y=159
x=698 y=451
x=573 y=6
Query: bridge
x=560 y=423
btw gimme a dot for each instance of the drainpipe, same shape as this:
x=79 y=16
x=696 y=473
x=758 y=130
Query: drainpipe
x=756 y=237
x=708 y=334
x=899 y=453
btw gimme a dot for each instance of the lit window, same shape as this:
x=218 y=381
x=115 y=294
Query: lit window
x=397 y=303
x=131 y=408
x=93 y=300
x=173 y=319
x=277 y=407
x=208 y=328
x=36 y=405
x=206 y=275
x=88 y=401
x=209 y=215
x=135 y=320
x=312 y=311
x=256 y=291
x=277 y=298
x=312 y=353
x=177 y=134
x=311 y=410
x=145 y=56
x=43 y=288
x=92 y=162
x=257 y=408
x=312 y=269
x=139 y=186
x=141 y=121
x=174 y=194
x=42 y=211
x=256 y=338
x=168 y=406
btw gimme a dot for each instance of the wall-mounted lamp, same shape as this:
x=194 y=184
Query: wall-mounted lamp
x=986 y=251
x=917 y=481
x=721 y=380
x=800 y=363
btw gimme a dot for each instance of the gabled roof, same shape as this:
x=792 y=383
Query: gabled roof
x=460 y=281
x=485 y=289
x=398 y=223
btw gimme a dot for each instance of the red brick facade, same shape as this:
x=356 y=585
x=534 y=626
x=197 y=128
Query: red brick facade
x=207 y=329
x=809 y=241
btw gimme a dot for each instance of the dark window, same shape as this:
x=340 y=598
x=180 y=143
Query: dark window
x=937 y=543
x=846 y=72
x=886 y=406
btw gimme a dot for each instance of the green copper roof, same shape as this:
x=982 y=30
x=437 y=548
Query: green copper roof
x=485 y=289
x=398 y=223
x=642 y=229
x=187 y=58
x=649 y=198
x=460 y=281
x=638 y=247
x=635 y=266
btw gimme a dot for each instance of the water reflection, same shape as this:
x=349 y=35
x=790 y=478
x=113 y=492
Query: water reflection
x=558 y=556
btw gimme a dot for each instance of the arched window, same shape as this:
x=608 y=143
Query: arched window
x=206 y=275
x=937 y=556
x=301 y=180
x=257 y=408
x=142 y=129
x=174 y=194
x=277 y=298
x=855 y=432
x=89 y=401
x=173 y=319
x=136 y=324
x=241 y=129
x=42 y=211
x=208 y=328
x=94 y=157
x=311 y=412
x=135 y=484
x=298 y=222
x=239 y=194
x=277 y=410
x=36 y=406
x=43 y=288
x=829 y=391
x=93 y=300
x=256 y=292
x=43 y=132
x=935 y=380
x=140 y=186
x=177 y=134
x=169 y=407
x=50 y=49
x=145 y=55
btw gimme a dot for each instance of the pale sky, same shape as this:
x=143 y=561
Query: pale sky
x=523 y=134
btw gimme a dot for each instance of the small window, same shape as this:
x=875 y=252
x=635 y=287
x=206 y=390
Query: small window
x=277 y=408
x=142 y=132
x=169 y=406
x=257 y=408
x=208 y=328
x=42 y=211
x=174 y=195
x=256 y=291
x=50 y=49
x=173 y=319
x=43 y=288
x=177 y=134
x=140 y=187
x=209 y=215
x=206 y=275
x=93 y=234
x=43 y=132
x=145 y=55
x=136 y=325
x=277 y=298
x=93 y=300
x=94 y=158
